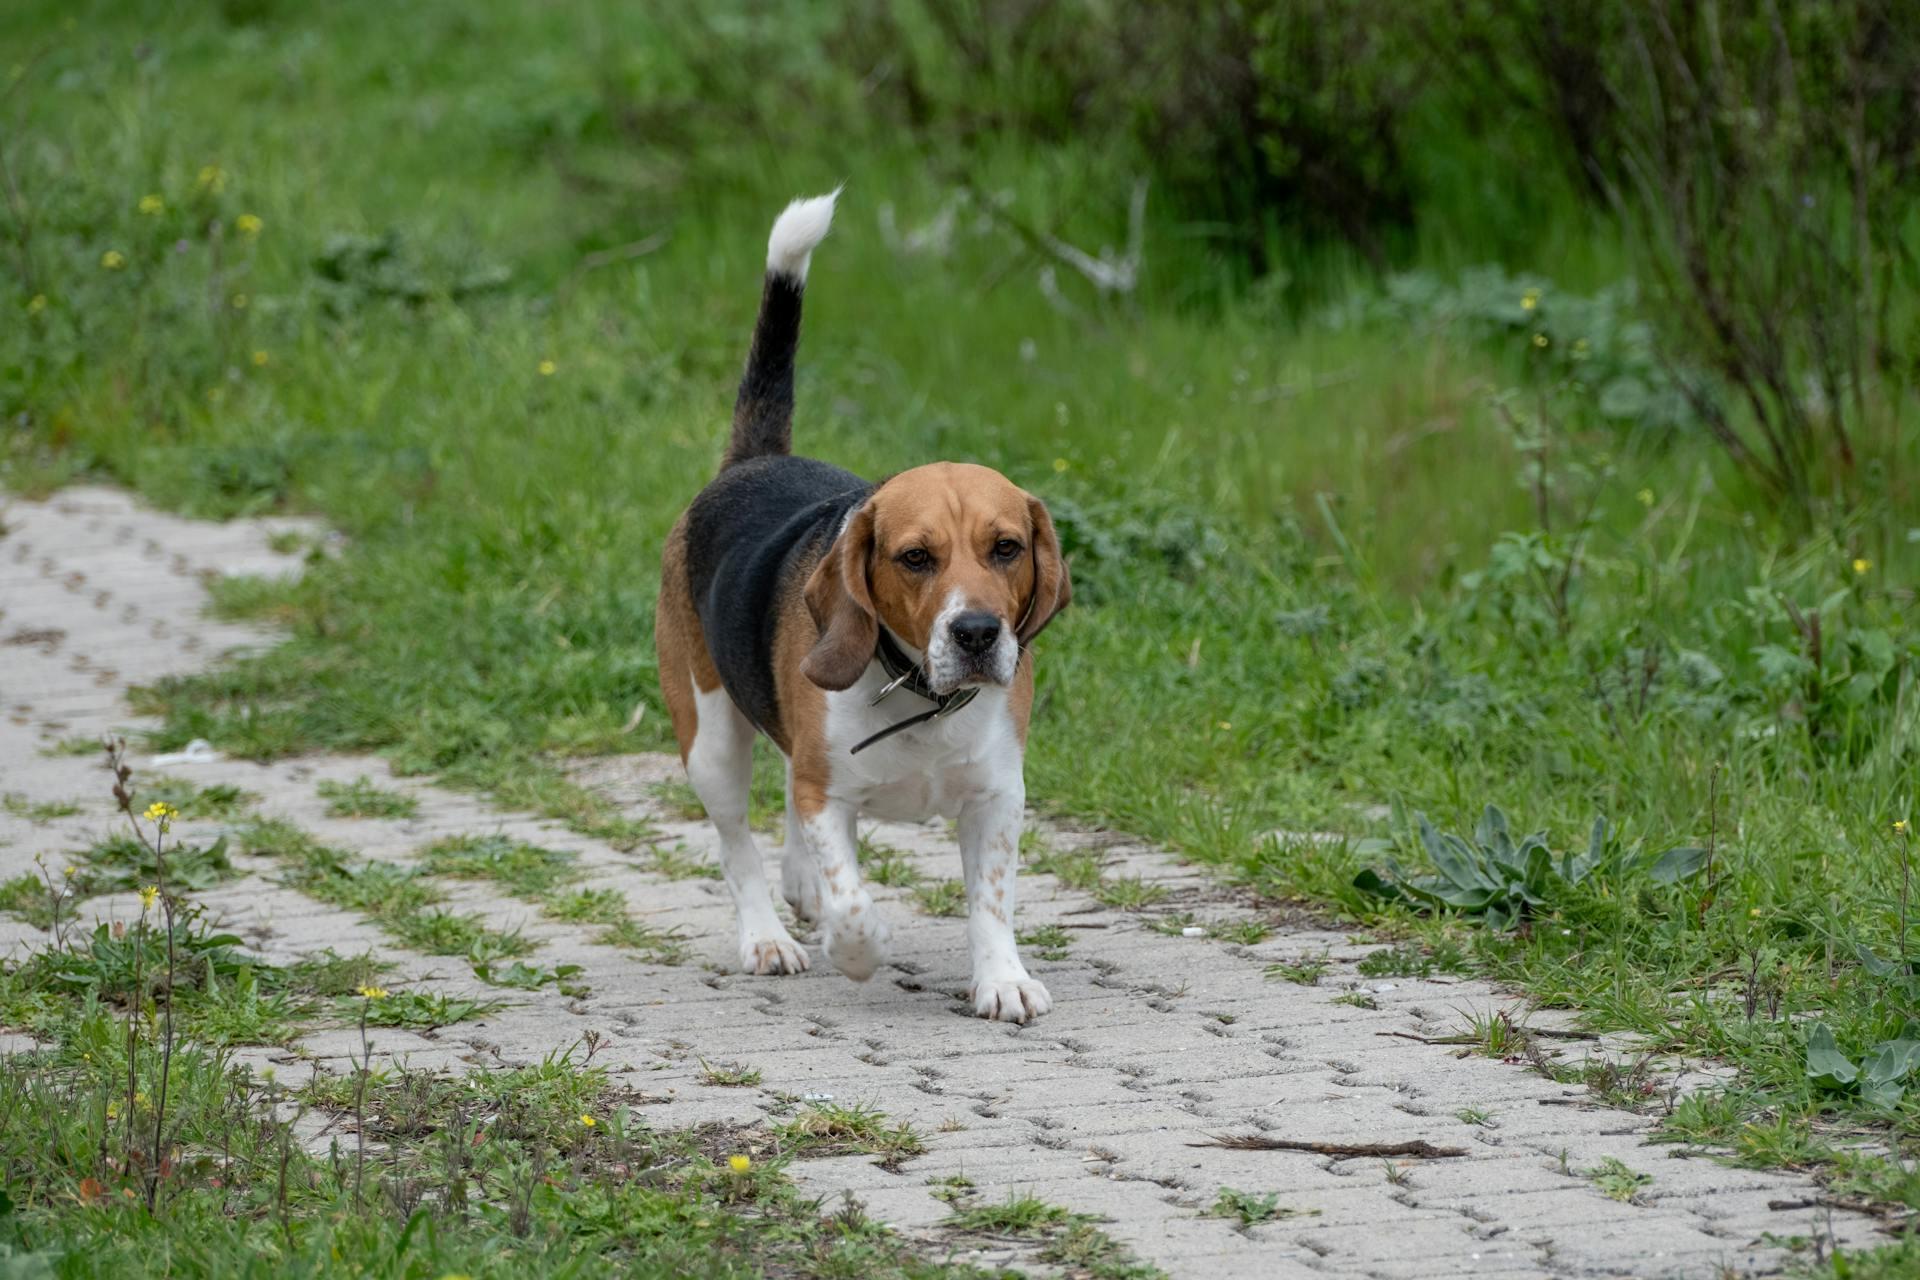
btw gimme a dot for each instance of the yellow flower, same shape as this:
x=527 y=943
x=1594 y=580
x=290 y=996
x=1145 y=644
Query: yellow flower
x=547 y=368
x=152 y=205
x=213 y=178
x=113 y=259
x=1530 y=299
x=148 y=895
x=1862 y=565
x=161 y=811
x=1755 y=913
x=239 y=302
x=1539 y=339
x=1061 y=464
x=588 y=1121
x=260 y=359
x=1646 y=497
x=36 y=304
x=70 y=872
x=374 y=993
x=1900 y=827
x=1226 y=724
x=113 y=1111
x=739 y=1164
x=248 y=225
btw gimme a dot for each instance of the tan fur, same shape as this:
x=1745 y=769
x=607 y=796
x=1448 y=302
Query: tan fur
x=680 y=643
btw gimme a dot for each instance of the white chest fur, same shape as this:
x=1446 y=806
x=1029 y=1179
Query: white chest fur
x=932 y=769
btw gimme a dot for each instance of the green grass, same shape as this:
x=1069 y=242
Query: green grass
x=1047 y=941
x=941 y=897
x=1129 y=893
x=522 y=869
x=1331 y=547
x=830 y=1129
x=360 y=798
x=37 y=812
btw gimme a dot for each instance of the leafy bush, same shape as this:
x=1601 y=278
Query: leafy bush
x=1504 y=882
x=1880 y=1075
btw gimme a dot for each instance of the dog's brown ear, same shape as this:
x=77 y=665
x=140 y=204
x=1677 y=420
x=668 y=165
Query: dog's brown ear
x=841 y=601
x=1052 y=588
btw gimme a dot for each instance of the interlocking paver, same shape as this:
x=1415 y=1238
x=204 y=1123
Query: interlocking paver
x=1156 y=1042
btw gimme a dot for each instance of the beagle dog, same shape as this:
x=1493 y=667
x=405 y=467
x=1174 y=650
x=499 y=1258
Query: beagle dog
x=878 y=634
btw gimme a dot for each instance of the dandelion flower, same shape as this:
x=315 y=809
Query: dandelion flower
x=1646 y=497
x=1862 y=565
x=212 y=178
x=148 y=895
x=161 y=811
x=152 y=206
x=1225 y=725
x=1061 y=464
x=1539 y=339
x=588 y=1121
x=36 y=304
x=739 y=1164
x=248 y=225
x=260 y=359
x=1900 y=827
x=548 y=368
x=239 y=302
x=113 y=260
x=1530 y=299
x=374 y=993
x=70 y=872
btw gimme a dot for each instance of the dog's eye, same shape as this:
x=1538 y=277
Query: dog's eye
x=916 y=559
x=1006 y=549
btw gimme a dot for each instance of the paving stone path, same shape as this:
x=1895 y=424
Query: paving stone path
x=1156 y=1043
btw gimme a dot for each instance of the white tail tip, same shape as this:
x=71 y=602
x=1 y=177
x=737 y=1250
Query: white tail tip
x=800 y=227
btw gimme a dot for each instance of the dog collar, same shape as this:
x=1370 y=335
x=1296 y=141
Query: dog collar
x=904 y=673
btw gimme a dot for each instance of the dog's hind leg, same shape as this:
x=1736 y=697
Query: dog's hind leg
x=716 y=745
x=720 y=767
x=799 y=873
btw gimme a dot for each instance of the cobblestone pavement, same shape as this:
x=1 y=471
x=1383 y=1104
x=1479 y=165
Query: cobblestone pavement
x=1157 y=1041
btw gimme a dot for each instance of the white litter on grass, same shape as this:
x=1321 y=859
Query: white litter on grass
x=199 y=751
x=816 y=1097
x=1193 y=931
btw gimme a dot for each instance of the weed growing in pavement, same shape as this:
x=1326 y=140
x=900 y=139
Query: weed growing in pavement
x=1252 y=1208
x=1048 y=941
x=831 y=1129
x=1305 y=972
x=941 y=897
x=361 y=798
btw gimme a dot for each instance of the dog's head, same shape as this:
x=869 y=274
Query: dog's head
x=955 y=560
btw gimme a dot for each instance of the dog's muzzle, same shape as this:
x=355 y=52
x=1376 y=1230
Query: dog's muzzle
x=975 y=647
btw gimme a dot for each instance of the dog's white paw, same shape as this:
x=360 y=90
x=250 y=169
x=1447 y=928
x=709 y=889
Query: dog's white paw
x=771 y=953
x=857 y=942
x=800 y=886
x=1012 y=999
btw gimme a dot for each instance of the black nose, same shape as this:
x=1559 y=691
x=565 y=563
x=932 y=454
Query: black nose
x=975 y=632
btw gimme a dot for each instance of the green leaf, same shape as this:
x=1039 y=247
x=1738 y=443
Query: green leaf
x=1677 y=864
x=1491 y=834
x=1370 y=881
x=1451 y=858
x=1826 y=1065
x=1890 y=1060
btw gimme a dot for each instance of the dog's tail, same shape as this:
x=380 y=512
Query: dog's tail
x=763 y=411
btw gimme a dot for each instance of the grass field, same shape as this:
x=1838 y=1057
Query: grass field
x=474 y=283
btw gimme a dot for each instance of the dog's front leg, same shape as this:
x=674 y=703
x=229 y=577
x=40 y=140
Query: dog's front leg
x=855 y=934
x=990 y=857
